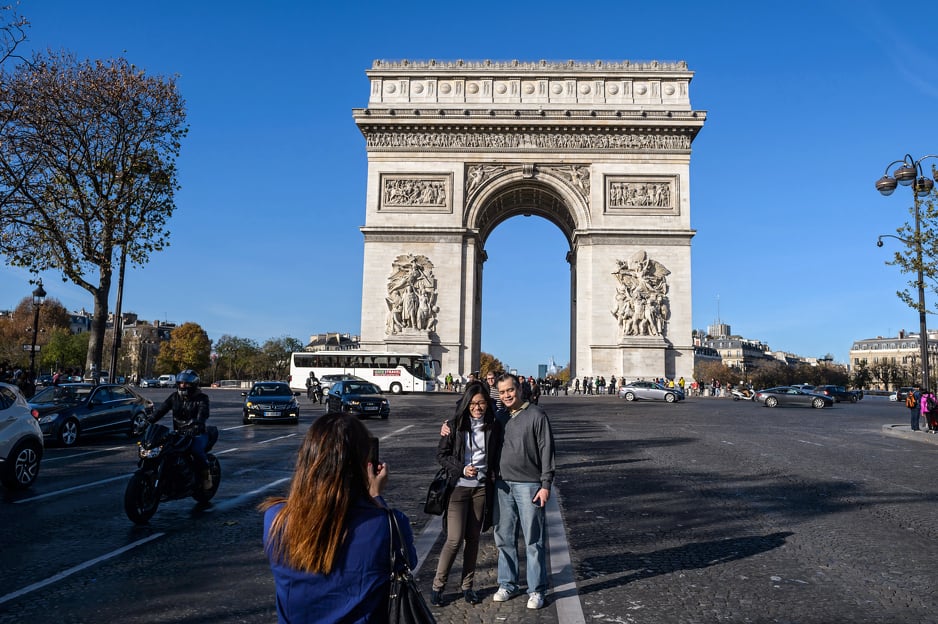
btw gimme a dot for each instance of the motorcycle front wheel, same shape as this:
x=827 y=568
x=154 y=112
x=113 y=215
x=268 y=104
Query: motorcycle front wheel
x=141 y=498
x=201 y=494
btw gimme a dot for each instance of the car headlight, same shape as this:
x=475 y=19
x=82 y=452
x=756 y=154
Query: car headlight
x=249 y=404
x=47 y=419
x=353 y=402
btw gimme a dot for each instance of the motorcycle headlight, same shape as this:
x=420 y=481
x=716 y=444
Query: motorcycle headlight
x=151 y=452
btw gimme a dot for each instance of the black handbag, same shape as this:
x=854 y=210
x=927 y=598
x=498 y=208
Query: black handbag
x=438 y=494
x=405 y=602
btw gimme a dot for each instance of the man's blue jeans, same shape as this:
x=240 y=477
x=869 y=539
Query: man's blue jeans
x=515 y=513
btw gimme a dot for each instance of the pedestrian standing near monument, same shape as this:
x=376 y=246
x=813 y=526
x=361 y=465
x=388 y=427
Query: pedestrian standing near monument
x=912 y=402
x=522 y=488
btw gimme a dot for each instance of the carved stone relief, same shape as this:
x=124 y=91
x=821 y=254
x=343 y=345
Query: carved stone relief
x=640 y=194
x=412 y=295
x=577 y=177
x=524 y=140
x=414 y=192
x=641 y=304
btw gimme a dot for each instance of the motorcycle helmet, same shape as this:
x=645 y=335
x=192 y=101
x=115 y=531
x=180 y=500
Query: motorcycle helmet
x=187 y=383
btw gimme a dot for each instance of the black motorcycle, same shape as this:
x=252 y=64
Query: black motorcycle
x=168 y=471
x=314 y=392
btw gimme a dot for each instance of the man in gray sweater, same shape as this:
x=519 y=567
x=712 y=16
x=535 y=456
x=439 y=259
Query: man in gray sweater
x=525 y=474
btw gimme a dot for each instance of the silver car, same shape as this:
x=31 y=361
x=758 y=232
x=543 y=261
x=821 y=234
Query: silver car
x=650 y=391
x=20 y=440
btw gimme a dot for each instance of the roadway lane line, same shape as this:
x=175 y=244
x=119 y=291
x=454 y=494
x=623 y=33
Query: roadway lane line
x=231 y=503
x=81 y=566
x=809 y=442
x=564 y=592
x=72 y=489
x=394 y=433
x=289 y=435
x=46 y=460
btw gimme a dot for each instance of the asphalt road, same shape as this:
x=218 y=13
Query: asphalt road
x=705 y=511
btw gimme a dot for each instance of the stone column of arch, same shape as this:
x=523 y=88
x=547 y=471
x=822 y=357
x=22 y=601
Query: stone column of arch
x=601 y=149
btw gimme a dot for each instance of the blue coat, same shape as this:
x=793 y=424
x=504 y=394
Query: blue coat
x=356 y=591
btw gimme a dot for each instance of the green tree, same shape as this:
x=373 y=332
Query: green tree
x=64 y=349
x=862 y=377
x=235 y=355
x=274 y=357
x=907 y=256
x=87 y=170
x=188 y=347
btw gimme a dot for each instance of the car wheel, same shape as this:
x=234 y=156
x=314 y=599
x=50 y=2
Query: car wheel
x=68 y=434
x=670 y=398
x=853 y=398
x=137 y=424
x=396 y=388
x=817 y=403
x=22 y=467
x=771 y=402
x=384 y=416
x=296 y=420
x=629 y=396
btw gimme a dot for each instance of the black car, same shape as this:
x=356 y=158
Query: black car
x=838 y=393
x=69 y=412
x=270 y=401
x=360 y=398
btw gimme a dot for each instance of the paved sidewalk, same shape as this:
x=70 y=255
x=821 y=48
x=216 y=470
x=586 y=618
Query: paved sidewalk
x=562 y=603
x=905 y=431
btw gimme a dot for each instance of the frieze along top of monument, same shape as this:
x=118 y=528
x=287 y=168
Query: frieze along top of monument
x=597 y=85
x=551 y=66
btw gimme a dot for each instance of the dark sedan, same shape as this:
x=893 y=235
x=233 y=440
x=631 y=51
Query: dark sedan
x=788 y=395
x=838 y=393
x=361 y=398
x=270 y=401
x=69 y=412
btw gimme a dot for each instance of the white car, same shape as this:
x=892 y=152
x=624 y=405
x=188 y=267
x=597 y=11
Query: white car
x=894 y=396
x=20 y=440
x=167 y=381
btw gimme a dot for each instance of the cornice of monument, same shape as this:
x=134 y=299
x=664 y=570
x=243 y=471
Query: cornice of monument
x=563 y=67
x=544 y=87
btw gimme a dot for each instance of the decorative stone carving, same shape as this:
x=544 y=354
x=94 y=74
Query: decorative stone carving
x=477 y=174
x=412 y=294
x=533 y=141
x=413 y=192
x=641 y=306
x=577 y=176
x=640 y=194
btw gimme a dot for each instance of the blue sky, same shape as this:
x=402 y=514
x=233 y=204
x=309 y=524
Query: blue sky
x=807 y=103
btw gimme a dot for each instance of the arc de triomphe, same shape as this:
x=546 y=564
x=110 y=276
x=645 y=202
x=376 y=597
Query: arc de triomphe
x=600 y=149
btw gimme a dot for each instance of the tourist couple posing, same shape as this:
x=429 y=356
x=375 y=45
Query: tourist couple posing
x=500 y=467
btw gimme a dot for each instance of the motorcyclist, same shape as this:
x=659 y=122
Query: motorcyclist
x=190 y=411
x=312 y=386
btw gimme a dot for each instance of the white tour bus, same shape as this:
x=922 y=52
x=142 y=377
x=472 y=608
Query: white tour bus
x=392 y=372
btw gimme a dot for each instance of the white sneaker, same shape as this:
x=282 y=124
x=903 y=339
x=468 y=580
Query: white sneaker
x=503 y=595
x=535 y=600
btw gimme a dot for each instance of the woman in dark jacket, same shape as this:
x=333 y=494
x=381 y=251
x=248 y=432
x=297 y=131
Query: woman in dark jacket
x=469 y=455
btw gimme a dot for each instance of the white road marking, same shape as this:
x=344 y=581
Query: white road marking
x=46 y=460
x=289 y=435
x=72 y=489
x=78 y=568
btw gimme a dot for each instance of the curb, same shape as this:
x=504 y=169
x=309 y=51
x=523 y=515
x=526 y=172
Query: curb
x=905 y=431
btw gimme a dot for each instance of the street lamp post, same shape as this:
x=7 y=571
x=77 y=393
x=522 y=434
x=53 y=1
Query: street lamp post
x=910 y=174
x=118 y=324
x=39 y=295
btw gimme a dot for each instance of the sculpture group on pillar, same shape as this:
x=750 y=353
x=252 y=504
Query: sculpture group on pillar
x=642 y=307
x=412 y=294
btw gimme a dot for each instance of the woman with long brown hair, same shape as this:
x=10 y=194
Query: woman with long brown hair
x=468 y=452
x=328 y=541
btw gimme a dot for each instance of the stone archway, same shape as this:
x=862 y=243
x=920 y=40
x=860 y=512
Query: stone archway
x=600 y=149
